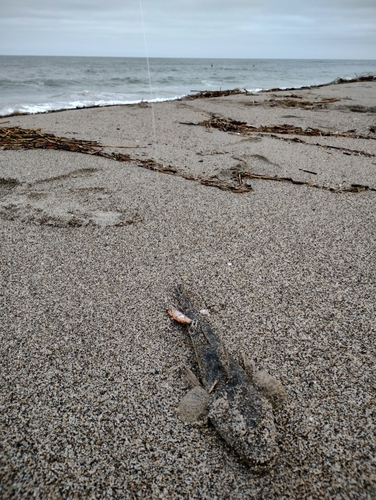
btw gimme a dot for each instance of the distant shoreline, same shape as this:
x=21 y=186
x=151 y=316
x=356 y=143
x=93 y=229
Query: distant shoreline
x=31 y=85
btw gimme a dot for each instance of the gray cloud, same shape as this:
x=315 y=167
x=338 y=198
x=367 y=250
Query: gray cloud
x=190 y=28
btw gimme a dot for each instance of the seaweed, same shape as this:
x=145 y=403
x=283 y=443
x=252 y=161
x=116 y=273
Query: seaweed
x=354 y=188
x=243 y=128
x=202 y=94
x=295 y=101
x=19 y=138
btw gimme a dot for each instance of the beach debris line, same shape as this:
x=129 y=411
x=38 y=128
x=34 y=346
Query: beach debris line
x=362 y=109
x=295 y=101
x=354 y=188
x=237 y=399
x=337 y=81
x=20 y=138
x=243 y=128
x=346 y=151
x=202 y=94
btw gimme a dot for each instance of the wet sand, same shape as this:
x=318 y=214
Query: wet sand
x=91 y=250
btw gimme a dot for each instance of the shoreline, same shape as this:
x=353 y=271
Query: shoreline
x=92 y=246
x=203 y=94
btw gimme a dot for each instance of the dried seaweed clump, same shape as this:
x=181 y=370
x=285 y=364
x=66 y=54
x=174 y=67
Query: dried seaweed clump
x=235 y=126
x=22 y=138
x=215 y=93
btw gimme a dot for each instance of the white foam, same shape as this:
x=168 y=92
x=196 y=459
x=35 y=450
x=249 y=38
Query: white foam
x=31 y=109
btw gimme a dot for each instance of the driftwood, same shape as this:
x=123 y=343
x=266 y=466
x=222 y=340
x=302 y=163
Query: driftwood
x=308 y=171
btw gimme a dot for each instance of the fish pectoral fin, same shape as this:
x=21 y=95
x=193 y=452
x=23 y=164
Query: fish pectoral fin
x=189 y=376
x=194 y=406
x=269 y=386
x=224 y=360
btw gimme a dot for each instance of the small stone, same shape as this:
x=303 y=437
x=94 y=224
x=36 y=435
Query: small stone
x=204 y=312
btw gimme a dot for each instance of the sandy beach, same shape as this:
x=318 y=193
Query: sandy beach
x=264 y=207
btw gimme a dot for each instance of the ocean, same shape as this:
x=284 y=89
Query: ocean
x=36 y=84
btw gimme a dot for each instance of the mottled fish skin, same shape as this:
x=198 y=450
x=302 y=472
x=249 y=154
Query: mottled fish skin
x=237 y=409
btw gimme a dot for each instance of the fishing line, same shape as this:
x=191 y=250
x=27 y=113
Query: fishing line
x=177 y=241
x=149 y=74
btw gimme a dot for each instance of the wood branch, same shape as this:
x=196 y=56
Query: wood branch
x=123 y=147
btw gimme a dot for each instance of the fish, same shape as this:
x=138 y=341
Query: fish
x=232 y=397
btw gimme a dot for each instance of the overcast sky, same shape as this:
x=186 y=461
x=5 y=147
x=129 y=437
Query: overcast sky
x=343 y=29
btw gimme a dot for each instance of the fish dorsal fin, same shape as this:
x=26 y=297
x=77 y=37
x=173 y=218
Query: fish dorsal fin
x=224 y=360
x=247 y=365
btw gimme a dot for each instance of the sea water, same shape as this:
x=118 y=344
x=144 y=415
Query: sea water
x=35 y=84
